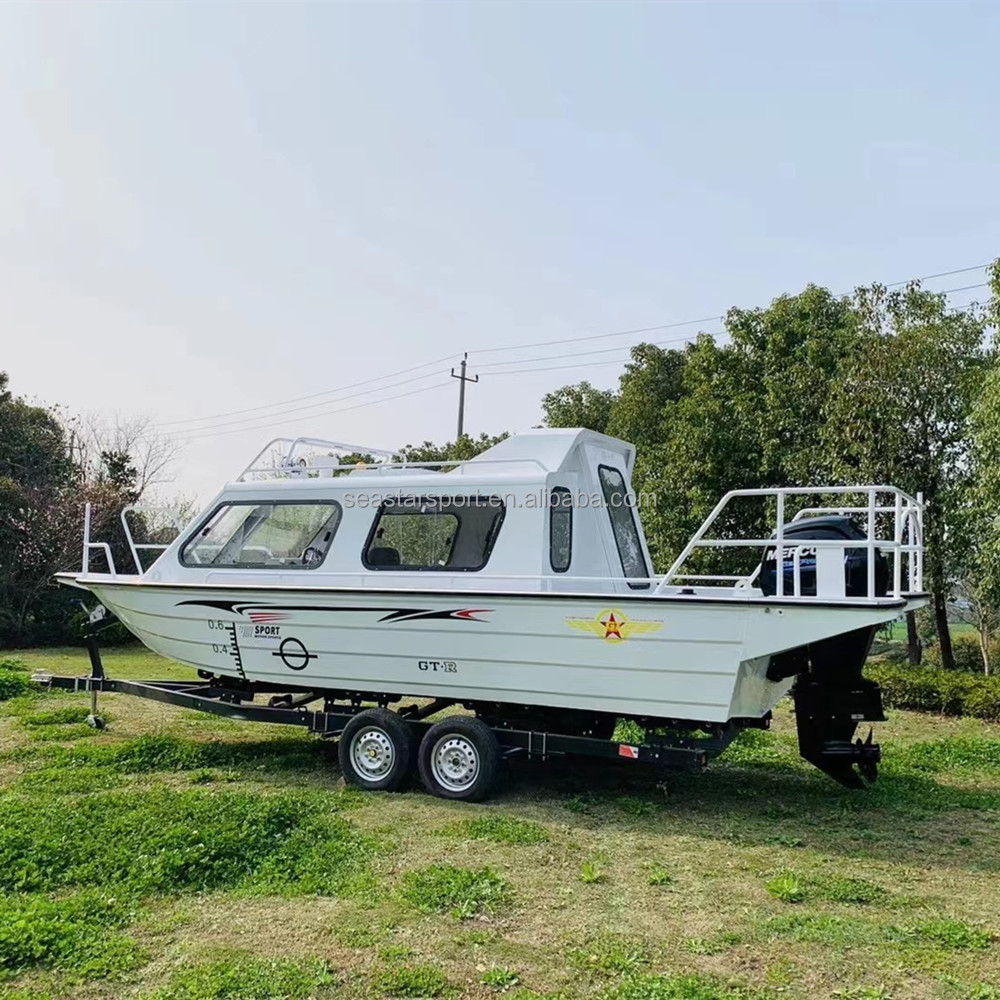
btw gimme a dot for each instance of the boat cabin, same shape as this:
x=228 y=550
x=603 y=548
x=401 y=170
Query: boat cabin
x=547 y=509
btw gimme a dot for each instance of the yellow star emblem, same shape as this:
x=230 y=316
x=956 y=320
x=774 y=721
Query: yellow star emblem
x=613 y=626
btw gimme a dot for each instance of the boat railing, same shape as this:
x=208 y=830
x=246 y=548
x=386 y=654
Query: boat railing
x=136 y=547
x=88 y=545
x=900 y=541
x=290 y=462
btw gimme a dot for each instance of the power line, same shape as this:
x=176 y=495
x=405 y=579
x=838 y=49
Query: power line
x=583 y=354
x=554 y=368
x=343 y=409
x=674 y=340
x=315 y=395
x=705 y=319
x=600 y=336
x=311 y=406
x=264 y=411
x=940 y=274
x=658 y=343
x=964 y=288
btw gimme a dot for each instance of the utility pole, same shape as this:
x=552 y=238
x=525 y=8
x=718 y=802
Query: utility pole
x=463 y=378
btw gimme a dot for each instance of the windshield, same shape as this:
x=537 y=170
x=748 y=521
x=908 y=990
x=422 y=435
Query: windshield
x=265 y=535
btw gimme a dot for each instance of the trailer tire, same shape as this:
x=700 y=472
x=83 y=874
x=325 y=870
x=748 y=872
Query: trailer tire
x=376 y=750
x=460 y=759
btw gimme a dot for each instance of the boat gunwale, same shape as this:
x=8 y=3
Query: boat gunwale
x=739 y=600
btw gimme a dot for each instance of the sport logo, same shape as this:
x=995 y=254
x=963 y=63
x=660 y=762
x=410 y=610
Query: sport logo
x=614 y=626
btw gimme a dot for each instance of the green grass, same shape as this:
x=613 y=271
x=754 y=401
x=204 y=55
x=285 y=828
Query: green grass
x=658 y=874
x=956 y=628
x=14 y=679
x=243 y=976
x=787 y=887
x=178 y=856
x=500 y=829
x=500 y=978
x=950 y=934
x=790 y=887
x=64 y=716
x=459 y=891
x=610 y=954
x=76 y=933
x=163 y=752
x=955 y=754
x=836 y=931
x=162 y=840
x=412 y=981
x=592 y=873
x=131 y=662
x=690 y=987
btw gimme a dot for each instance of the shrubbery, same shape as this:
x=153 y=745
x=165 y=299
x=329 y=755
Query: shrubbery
x=931 y=689
x=965 y=649
x=13 y=679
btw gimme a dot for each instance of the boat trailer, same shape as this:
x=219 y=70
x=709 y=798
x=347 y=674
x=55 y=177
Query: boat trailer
x=330 y=721
x=298 y=708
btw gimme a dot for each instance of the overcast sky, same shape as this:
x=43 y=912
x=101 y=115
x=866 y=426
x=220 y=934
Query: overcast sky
x=209 y=207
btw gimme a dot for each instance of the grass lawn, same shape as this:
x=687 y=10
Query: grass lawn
x=177 y=856
x=957 y=628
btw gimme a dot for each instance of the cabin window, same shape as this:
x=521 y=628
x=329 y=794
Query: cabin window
x=560 y=529
x=434 y=533
x=620 y=505
x=256 y=535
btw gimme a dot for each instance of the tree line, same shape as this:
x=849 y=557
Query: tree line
x=880 y=386
x=51 y=467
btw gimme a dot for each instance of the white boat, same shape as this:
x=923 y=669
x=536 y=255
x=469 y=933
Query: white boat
x=519 y=584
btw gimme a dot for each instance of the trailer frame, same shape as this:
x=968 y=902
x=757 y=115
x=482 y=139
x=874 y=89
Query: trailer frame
x=289 y=706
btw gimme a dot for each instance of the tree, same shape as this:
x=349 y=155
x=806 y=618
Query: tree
x=34 y=469
x=461 y=450
x=578 y=406
x=875 y=387
x=132 y=442
x=713 y=417
x=117 y=470
x=974 y=606
x=983 y=506
x=43 y=493
x=32 y=443
x=899 y=412
x=41 y=516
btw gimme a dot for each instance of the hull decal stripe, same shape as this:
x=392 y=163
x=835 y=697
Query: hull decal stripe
x=389 y=614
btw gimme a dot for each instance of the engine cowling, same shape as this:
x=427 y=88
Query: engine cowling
x=855 y=560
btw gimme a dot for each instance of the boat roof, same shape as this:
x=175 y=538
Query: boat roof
x=526 y=457
x=555 y=448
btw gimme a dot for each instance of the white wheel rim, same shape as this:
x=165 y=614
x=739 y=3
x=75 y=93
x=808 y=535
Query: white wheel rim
x=372 y=753
x=455 y=763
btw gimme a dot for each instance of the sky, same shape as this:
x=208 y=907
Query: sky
x=213 y=208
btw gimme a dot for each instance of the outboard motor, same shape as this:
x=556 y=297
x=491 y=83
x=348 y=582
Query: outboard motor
x=813 y=558
x=831 y=695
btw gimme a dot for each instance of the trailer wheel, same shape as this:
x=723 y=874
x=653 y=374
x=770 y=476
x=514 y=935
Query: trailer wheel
x=376 y=750
x=460 y=759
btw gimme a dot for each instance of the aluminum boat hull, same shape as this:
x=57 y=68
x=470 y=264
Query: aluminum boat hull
x=667 y=656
